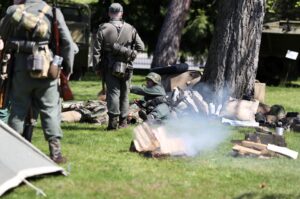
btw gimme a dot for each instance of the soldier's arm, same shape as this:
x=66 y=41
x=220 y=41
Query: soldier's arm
x=5 y=23
x=97 y=49
x=66 y=43
x=139 y=44
x=142 y=90
x=139 y=90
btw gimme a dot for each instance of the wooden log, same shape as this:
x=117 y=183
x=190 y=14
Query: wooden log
x=254 y=145
x=144 y=139
x=283 y=150
x=244 y=150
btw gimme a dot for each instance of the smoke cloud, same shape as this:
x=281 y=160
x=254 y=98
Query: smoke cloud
x=198 y=133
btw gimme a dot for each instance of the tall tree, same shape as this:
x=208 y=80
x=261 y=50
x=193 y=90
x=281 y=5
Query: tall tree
x=233 y=55
x=169 y=38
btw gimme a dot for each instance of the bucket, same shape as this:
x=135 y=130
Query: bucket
x=279 y=131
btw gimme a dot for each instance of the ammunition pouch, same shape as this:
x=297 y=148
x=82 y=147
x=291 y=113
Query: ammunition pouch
x=38 y=63
x=122 y=70
x=123 y=53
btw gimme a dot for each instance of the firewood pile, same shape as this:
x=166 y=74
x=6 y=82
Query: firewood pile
x=155 y=142
x=263 y=145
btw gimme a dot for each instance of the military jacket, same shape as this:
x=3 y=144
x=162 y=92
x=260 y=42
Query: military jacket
x=148 y=93
x=110 y=33
x=154 y=100
x=12 y=31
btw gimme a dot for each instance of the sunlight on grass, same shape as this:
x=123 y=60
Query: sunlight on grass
x=101 y=165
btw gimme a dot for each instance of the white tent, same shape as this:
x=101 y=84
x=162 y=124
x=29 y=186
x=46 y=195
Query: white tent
x=19 y=159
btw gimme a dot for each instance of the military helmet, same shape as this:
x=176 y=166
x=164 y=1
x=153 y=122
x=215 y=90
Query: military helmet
x=154 y=77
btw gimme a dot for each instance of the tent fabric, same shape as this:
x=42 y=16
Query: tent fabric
x=19 y=159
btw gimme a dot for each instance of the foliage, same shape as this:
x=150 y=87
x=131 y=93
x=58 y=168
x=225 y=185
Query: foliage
x=101 y=166
x=283 y=9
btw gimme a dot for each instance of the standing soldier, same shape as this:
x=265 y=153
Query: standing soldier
x=27 y=31
x=115 y=48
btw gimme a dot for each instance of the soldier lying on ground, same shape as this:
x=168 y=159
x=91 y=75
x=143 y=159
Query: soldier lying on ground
x=154 y=105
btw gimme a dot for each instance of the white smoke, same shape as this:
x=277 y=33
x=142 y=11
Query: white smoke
x=198 y=133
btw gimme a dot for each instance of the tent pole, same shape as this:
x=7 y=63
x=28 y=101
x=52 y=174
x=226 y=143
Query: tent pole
x=38 y=190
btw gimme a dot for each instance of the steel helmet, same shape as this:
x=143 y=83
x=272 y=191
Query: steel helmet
x=154 y=77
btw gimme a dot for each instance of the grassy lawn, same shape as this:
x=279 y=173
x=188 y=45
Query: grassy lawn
x=101 y=166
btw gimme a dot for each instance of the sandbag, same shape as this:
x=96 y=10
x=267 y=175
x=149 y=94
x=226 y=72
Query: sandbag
x=259 y=91
x=183 y=80
x=243 y=110
x=70 y=116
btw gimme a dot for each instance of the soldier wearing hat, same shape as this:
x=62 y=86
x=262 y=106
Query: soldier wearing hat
x=29 y=40
x=154 y=106
x=115 y=48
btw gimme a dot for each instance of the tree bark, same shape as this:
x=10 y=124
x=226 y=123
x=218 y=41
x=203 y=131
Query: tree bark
x=169 y=38
x=233 y=55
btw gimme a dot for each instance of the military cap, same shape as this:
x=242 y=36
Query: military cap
x=115 y=8
x=154 y=77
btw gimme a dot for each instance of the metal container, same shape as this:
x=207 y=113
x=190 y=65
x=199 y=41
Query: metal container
x=279 y=131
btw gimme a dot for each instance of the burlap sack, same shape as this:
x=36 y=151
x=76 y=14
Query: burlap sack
x=243 y=110
x=70 y=116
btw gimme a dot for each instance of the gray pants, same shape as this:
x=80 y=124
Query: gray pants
x=117 y=95
x=43 y=95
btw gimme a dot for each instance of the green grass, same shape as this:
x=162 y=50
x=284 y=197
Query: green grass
x=101 y=166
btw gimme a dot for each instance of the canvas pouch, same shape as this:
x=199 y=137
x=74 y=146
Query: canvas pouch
x=38 y=63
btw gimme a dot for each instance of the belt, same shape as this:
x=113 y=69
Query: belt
x=24 y=46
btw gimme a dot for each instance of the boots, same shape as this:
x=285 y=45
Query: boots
x=112 y=123
x=55 y=151
x=123 y=122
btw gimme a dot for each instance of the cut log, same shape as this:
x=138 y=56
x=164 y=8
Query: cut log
x=169 y=145
x=244 y=150
x=283 y=150
x=254 y=145
x=144 y=139
x=157 y=140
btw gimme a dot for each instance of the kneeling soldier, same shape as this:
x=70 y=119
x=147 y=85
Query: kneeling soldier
x=154 y=106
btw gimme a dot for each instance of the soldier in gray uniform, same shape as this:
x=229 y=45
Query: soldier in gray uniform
x=26 y=37
x=154 y=106
x=115 y=48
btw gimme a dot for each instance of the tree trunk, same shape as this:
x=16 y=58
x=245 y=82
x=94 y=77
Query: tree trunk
x=169 y=38
x=233 y=55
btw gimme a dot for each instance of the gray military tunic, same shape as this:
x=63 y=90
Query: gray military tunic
x=103 y=59
x=43 y=94
x=159 y=109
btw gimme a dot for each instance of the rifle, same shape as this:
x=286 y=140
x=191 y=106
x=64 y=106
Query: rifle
x=65 y=90
x=102 y=93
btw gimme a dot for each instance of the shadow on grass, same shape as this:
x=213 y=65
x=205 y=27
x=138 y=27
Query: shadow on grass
x=266 y=196
x=87 y=128
x=292 y=85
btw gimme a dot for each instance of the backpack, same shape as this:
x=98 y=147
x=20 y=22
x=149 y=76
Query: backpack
x=31 y=22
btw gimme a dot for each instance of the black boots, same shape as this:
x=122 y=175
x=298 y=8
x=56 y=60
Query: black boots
x=55 y=151
x=112 y=123
x=116 y=122
x=123 y=122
